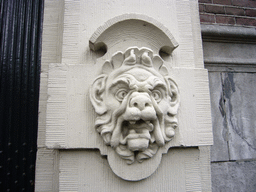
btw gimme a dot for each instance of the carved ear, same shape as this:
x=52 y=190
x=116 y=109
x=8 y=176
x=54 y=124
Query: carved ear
x=174 y=96
x=96 y=94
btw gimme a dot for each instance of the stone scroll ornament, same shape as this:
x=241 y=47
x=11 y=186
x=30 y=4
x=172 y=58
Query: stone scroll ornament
x=136 y=102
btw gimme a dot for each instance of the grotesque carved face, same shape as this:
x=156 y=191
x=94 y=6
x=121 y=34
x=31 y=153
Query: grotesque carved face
x=136 y=102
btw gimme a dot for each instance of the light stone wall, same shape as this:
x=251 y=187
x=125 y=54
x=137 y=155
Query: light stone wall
x=47 y=159
x=68 y=26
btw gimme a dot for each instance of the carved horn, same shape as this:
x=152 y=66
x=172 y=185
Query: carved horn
x=131 y=60
x=146 y=60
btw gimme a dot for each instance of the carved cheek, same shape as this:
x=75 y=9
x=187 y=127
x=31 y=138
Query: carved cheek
x=111 y=102
x=164 y=106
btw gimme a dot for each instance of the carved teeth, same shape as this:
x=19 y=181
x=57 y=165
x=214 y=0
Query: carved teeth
x=132 y=131
x=151 y=126
x=132 y=122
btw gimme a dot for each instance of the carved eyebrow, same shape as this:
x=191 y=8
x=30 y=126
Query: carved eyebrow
x=156 y=82
x=128 y=80
x=120 y=80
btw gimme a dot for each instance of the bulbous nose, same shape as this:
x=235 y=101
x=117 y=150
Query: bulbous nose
x=141 y=102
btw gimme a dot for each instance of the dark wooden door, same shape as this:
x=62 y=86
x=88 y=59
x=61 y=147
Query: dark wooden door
x=20 y=54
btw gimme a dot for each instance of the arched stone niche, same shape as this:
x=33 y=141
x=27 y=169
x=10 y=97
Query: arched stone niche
x=130 y=30
x=132 y=105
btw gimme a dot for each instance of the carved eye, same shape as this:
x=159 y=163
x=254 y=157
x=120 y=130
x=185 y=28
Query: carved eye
x=120 y=94
x=157 y=95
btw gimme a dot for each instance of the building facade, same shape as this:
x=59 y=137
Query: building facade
x=228 y=37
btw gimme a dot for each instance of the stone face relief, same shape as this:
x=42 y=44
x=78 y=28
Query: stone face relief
x=136 y=102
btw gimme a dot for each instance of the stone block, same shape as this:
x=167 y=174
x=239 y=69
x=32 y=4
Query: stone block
x=207 y=18
x=219 y=150
x=233 y=107
x=222 y=2
x=204 y=1
x=201 y=8
x=87 y=171
x=234 y=11
x=234 y=176
x=250 y=12
x=245 y=21
x=229 y=53
x=244 y=3
x=47 y=170
x=225 y=19
x=214 y=9
x=240 y=108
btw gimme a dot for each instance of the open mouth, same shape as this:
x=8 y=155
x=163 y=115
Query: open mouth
x=137 y=126
x=139 y=129
x=140 y=124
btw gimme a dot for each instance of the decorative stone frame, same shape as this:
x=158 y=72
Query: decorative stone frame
x=136 y=103
x=70 y=118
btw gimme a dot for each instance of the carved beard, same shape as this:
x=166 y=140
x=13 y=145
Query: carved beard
x=135 y=136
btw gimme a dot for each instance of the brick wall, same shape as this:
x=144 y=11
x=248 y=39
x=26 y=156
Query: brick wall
x=228 y=12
